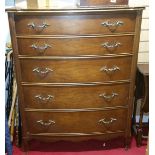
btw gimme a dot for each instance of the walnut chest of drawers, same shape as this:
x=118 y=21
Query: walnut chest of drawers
x=75 y=71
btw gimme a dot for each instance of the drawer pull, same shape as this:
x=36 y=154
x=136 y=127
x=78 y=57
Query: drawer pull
x=40 y=49
x=107 y=122
x=108 y=97
x=112 y=26
x=42 y=72
x=50 y=122
x=44 y=99
x=109 y=70
x=38 y=27
x=111 y=45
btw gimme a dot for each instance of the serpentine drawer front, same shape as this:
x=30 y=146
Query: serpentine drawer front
x=72 y=97
x=73 y=46
x=80 y=70
x=73 y=122
x=75 y=71
x=75 y=24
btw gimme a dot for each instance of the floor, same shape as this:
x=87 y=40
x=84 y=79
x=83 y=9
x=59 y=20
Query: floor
x=81 y=148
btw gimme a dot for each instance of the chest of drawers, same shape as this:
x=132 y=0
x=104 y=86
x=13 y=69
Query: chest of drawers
x=75 y=71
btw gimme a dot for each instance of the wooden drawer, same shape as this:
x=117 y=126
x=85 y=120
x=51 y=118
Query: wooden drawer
x=102 y=2
x=75 y=24
x=76 y=122
x=75 y=46
x=72 y=97
x=76 y=70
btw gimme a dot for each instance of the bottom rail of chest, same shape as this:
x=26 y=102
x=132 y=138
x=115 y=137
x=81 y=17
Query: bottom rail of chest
x=102 y=141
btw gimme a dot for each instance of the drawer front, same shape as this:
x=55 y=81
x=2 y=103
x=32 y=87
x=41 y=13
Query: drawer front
x=76 y=122
x=102 y=2
x=75 y=24
x=76 y=97
x=79 y=70
x=76 y=46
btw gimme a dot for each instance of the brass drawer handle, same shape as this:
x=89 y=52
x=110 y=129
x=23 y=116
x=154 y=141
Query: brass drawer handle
x=103 y=121
x=112 y=26
x=38 y=27
x=110 y=70
x=42 y=72
x=50 y=122
x=44 y=99
x=108 y=97
x=111 y=45
x=40 y=49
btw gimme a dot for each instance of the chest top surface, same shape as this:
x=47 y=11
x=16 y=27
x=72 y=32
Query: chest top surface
x=60 y=5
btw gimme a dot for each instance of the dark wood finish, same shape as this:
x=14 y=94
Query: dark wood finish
x=75 y=97
x=72 y=122
x=70 y=46
x=133 y=73
x=18 y=77
x=103 y=137
x=81 y=30
x=81 y=70
x=102 y=2
x=75 y=24
x=142 y=92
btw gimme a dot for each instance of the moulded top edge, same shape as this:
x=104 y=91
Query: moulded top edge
x=75 y=9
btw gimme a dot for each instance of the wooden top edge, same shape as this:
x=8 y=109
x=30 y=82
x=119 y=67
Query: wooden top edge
x=74 y=10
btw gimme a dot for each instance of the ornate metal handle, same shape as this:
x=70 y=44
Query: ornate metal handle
x=108 y=97
x=42 y=72
x=109 y=70
x=112 y=26
x=107 y=122
x=111 y=45
x=40 y=49
x=44 y=99
x=50 y=122
x=38 y=27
